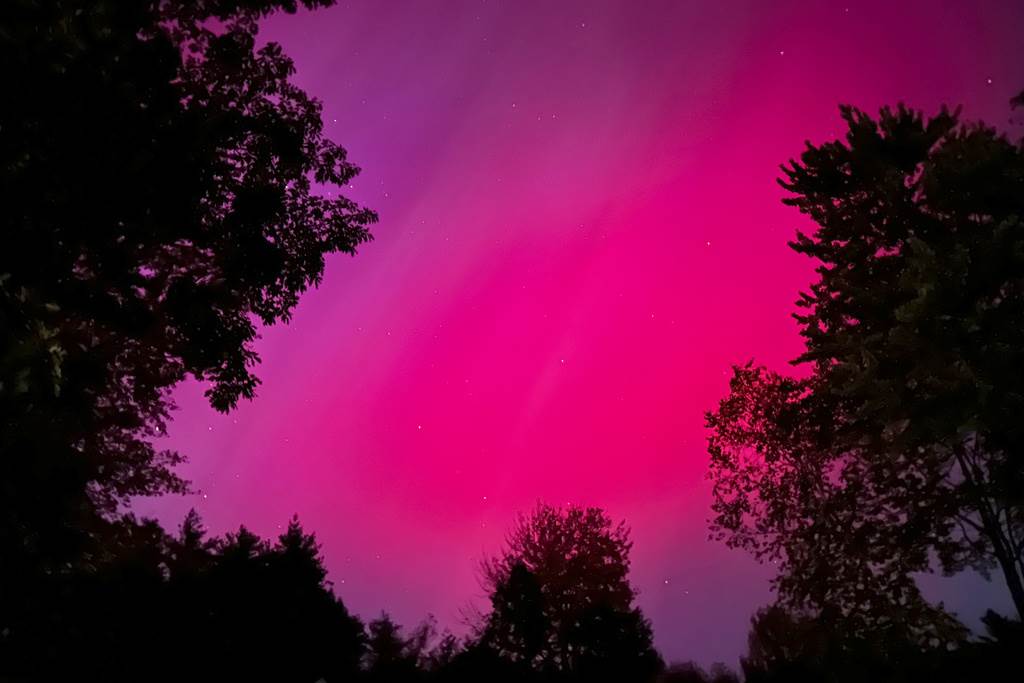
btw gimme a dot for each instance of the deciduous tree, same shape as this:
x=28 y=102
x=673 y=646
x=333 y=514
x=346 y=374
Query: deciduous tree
x=901 y=444
x=561 y=601
x=167 y=189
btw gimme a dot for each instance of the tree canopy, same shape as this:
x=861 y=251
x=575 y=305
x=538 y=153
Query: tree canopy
x=167 y=189
x=900 y=445
x=561 y=601
x=186 y=606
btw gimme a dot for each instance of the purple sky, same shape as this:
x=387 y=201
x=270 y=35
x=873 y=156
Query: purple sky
x=580 y=232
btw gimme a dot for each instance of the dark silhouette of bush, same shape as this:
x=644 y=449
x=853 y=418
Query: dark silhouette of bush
x=691 y=672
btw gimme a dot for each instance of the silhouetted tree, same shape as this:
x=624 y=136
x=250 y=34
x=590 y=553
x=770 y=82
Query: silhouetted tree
x=787 y=647
x=389 y=655
x=444 y=652
x=518 y=620
x=191 y=551
x=162 y=608
x=160 y=178
x=782 y=494
x=902 y=445
x=561 y=602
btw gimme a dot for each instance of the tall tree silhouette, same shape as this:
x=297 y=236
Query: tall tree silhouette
x=561 y=601
x=391 y=656
x=903 y=442
x=160 y=178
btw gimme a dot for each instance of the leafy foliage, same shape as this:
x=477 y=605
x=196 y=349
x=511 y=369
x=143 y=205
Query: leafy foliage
x=162 y=198
x=561 y=602
x=902 y=445
x=840 y=542
x=218 y=605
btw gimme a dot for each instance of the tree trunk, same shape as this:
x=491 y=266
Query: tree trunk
x=1004 y=555
x=1002 y=548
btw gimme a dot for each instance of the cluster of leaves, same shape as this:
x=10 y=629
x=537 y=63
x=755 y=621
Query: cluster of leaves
x=900 y=447
x=162 y=197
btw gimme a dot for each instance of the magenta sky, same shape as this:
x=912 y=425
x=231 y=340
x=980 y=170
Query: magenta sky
x=580 y=231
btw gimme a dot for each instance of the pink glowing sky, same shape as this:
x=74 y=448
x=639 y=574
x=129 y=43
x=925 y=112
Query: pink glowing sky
x=580 y=232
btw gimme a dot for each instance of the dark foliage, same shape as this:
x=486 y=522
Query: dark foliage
x=690 y=672
x=391 y=656
x=561 y=603
x=786 y=647
x=160 y=180
x=186 y=607
x=165 y=192
x=901 y=447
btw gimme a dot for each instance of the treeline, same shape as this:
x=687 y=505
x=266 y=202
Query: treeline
x=157 y=606
x=186 y=606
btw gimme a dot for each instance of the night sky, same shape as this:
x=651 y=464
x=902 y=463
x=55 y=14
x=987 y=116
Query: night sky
x=580 y=232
